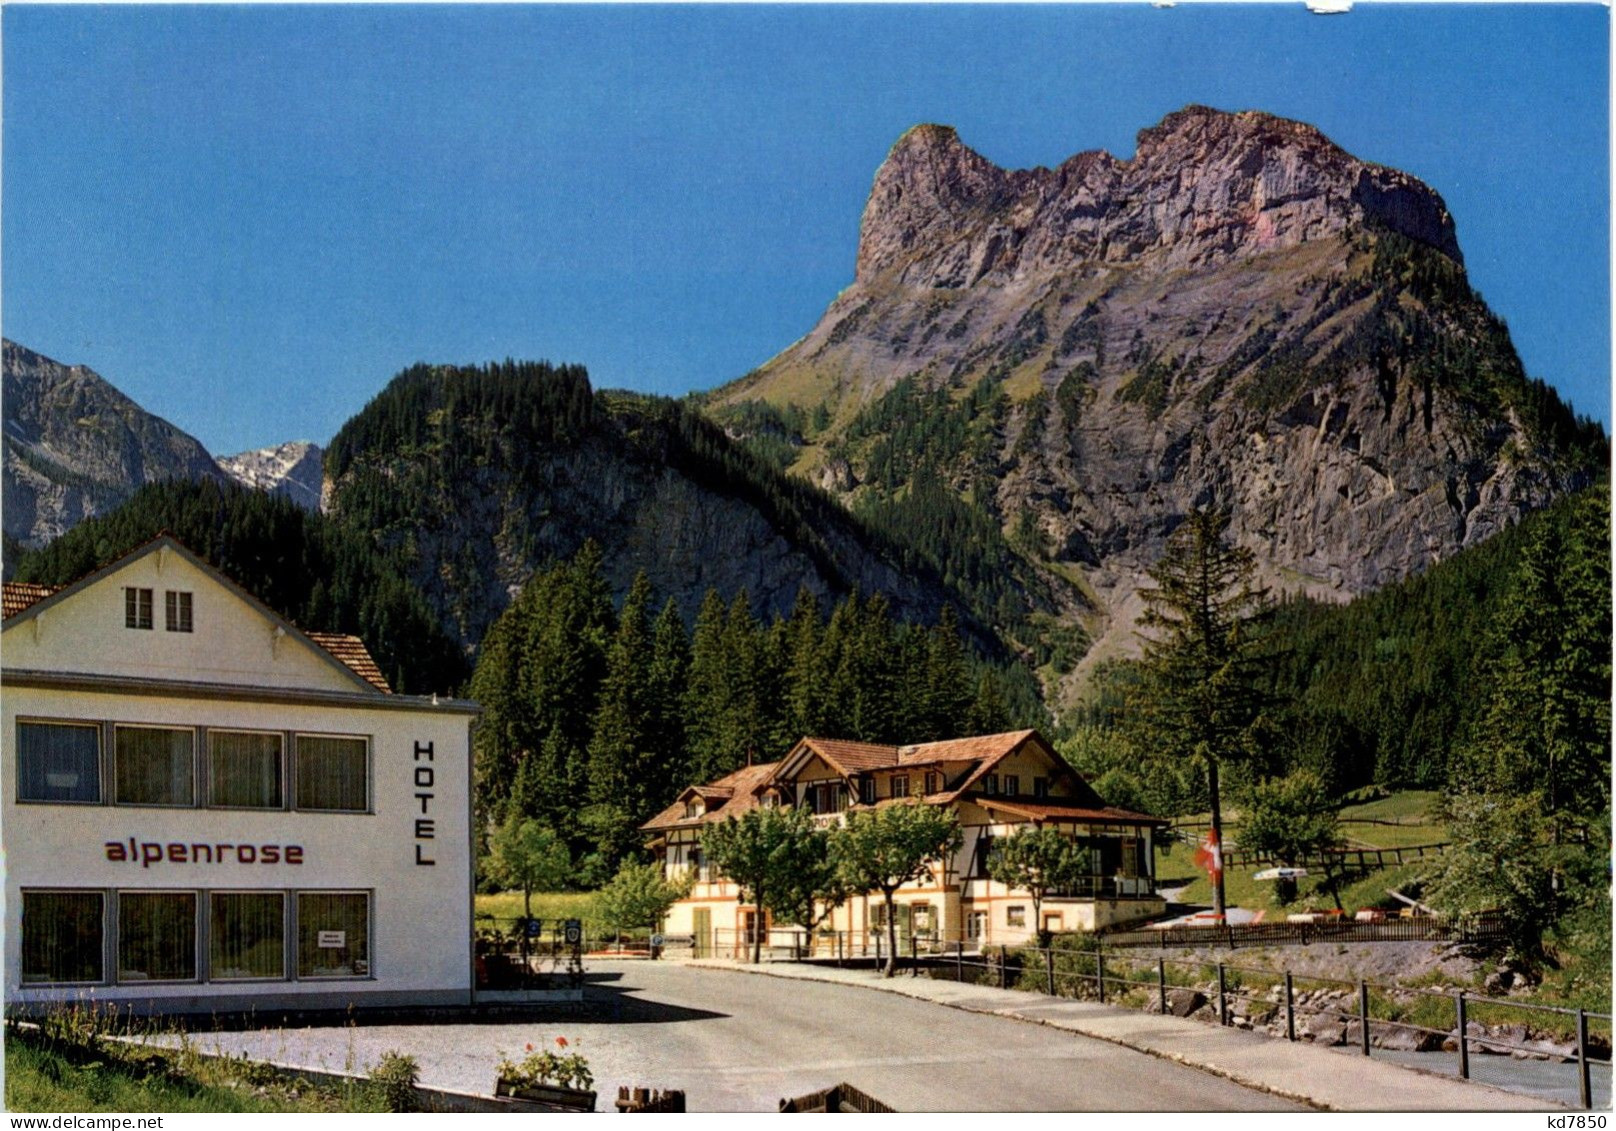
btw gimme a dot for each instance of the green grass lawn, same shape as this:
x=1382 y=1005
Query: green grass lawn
x=506 y=906
x=43 y=1078
x=1415 y=807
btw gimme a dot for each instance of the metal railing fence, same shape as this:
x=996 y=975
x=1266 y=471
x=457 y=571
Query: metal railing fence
x=1431 y=1019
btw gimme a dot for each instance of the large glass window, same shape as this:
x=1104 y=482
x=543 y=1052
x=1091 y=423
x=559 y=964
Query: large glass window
x=332 y=773
x=62 y=934
x=153 y=765
x=244 y=769
x=333 y=934
x=156 y=936
x=248 y=937
x=58 y=762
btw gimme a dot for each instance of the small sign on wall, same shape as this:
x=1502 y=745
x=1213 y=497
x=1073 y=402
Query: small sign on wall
x=334 y=940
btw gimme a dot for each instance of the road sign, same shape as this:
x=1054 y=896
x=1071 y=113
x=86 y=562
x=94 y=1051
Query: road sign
x=573 y=932
x=656 y=940
x=534 y=928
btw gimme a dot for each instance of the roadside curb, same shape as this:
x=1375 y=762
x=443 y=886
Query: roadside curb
x=1235 y=1076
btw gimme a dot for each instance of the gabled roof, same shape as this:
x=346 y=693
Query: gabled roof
x=737 y=792
x=23 y=600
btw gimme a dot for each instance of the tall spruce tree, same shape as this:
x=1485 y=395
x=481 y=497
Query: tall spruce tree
x=1203 y=661
x=666 y=678
x=622 y=762
x=707 y=693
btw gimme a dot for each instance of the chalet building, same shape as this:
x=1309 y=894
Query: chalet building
x=206 y=808
x=994 y=783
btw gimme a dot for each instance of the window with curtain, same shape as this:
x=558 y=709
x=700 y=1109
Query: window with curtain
x=333 y=934
x=153 y=765
x=62 y=934
x=177 y=609
x=58 y=762
x=156 y=936
x=244 y=769
x=332 y=773
x=248 y=938
x=137 y=608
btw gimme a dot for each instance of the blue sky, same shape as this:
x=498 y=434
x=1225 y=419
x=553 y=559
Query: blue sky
x=249 y=218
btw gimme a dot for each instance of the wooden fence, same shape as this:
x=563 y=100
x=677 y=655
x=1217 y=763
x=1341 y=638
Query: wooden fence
x=841 y=1097
x=1328 y=929
x=1339 y=857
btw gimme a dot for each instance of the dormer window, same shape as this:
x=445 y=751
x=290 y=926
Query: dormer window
x=137 y=608
x=931 y=784
x=867 y=791
x=695 y=808
x=900 y=786
x=177 y=606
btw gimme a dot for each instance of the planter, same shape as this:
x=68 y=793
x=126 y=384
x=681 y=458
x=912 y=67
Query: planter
x=552 y=1094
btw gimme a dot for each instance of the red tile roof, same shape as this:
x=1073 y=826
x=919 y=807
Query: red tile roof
x=351 y=652
x=982 y=747
x=737 y=791
x=18 y=595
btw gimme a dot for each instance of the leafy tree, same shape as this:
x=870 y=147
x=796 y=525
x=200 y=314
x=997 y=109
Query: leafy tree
x=1202 y=659
x=525 y=854
x=883 y=849
x=1289 y=819
x=1501 y=859
x=638 y=896
x=771 y=854
x=1039 y=861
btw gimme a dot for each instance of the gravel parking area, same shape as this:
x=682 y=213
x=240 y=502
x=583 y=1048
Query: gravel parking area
x=737 y=1042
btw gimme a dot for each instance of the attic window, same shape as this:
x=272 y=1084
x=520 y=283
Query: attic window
x=137 y=608
x=1012 y=785
x=931 y=783
x=178 y=610
x=695 y=808
x=990 y=784
x=900 y=786
x=1040 y=787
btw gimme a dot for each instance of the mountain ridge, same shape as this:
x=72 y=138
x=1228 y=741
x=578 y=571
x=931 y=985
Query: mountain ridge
x=1242 y=314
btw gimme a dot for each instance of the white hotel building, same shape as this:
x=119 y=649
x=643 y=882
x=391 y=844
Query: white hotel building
x=207 y=809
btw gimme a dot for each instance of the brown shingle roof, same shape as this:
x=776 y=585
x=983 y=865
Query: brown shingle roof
x=976 y=748
x=737 y=790
x=852 y=757
x=352 y=653
x=18 y=595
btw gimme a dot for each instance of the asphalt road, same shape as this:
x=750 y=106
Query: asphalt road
x=737 y=1042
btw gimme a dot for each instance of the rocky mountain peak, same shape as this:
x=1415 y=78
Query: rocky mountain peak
x=1204 y=186
x=75 y=446
x=293 y=469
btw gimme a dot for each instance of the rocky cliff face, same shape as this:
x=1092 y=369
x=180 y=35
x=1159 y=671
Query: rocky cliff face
x=76 y=447
x=293 y=469
x=1241 y=314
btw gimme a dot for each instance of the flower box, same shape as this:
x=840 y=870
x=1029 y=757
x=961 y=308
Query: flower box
x=546 y=1094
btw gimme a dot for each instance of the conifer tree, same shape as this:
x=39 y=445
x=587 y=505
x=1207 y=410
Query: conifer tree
x=1202 y=695
x=706 y=699
x=622 y=762
x=669 y=670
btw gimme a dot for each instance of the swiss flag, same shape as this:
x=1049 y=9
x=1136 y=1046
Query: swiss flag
x=1209 y=856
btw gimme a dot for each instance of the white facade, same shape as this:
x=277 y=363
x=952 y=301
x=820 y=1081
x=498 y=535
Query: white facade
x=215 y=813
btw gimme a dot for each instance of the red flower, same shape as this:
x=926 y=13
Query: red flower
x=562 y=1041
x=529 y=1046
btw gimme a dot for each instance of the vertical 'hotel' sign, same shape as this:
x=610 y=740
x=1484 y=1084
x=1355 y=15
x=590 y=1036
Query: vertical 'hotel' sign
x=425 y=780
